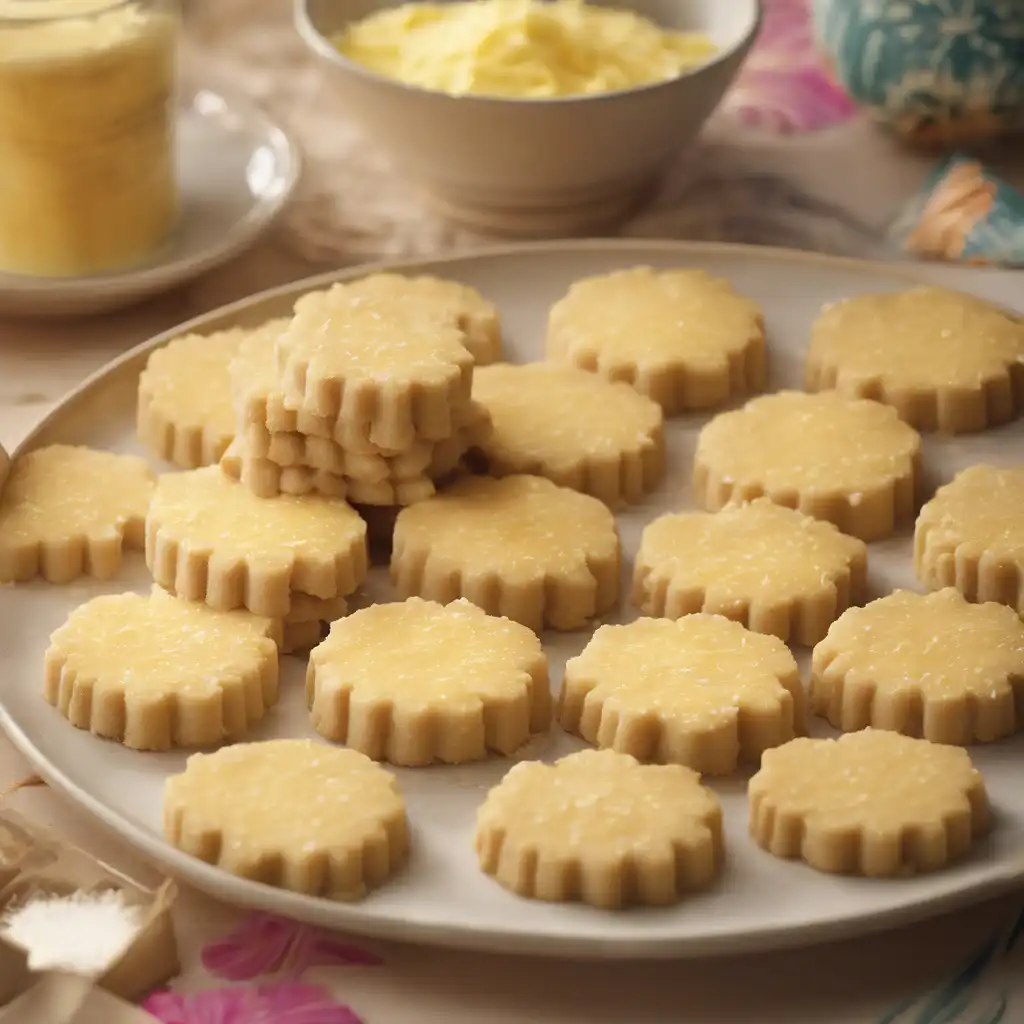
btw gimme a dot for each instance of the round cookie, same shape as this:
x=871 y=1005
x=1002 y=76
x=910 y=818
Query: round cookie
x=210 y=539
x=870 y=803
x=851 y=462
x=472 y=312
x=521 y=547
x=682 y=337
x=971 y=536
x=771 y=568
x=295 y=814
x=929 y=665
x=701 y=691
x=419 y=682
x=68 y=511
x=944 y=360
x=154 y=672
x=601 y=828
x=595 y=436
x=184 y=413
x=386 y=370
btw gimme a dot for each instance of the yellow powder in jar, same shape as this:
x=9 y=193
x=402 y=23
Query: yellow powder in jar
x=87 y=163
x=521 y=49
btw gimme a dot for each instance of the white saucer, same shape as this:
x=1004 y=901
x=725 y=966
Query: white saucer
x=237 y=169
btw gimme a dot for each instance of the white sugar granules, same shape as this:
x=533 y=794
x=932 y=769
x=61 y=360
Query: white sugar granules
x=84 y=933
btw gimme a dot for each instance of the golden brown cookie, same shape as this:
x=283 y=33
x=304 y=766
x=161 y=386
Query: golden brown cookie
x=773 y=569
x=701 y=691
x=210 y=539
x=871 y=803
x=521 y=547
x=267 y=479
x=971 y=536
x=851 y=462
x=68 y=511
x=576 y=429
x=153 y=672
x=185 y=415
x=418 y=682
x=929 y=665
x=944 y=360
x=296 y=814
x=682 y=337
x=601 y=828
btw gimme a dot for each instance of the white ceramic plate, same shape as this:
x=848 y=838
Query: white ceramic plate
x=237 y=169
x=442 y=898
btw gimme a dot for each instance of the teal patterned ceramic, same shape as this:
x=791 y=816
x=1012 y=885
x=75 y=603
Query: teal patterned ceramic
x=937 y=71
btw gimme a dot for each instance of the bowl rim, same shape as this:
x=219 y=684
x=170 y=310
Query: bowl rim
x=319 y=44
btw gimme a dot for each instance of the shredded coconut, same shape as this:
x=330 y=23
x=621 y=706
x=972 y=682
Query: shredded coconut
x=83 y=933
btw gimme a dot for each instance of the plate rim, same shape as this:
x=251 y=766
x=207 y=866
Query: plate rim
x=161 y=274
x=393 y=925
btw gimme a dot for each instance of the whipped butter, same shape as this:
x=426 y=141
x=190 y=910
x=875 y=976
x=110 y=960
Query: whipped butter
x=87 y=173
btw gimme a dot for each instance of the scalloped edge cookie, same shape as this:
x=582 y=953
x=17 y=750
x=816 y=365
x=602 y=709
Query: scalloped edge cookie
x=668 y=592
x=266 y=479
x=945 y=553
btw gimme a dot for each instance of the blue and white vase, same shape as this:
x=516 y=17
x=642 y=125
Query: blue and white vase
x=938 y=72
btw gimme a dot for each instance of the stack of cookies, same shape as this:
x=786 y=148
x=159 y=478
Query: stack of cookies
x=364 y=393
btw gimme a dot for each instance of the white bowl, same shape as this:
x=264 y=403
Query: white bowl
x=538 y=167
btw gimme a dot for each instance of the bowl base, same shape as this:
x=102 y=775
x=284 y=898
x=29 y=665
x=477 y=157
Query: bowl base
x=562 y=221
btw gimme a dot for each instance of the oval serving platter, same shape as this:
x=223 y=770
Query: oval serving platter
x=441 y=897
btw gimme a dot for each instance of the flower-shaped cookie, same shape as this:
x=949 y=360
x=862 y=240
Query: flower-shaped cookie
x=601 y=828
x=418 y=682
x=851 y=462
x=521 y=547
x=156 y=672
x=971 y=536
x=701 y=691
x=682 y=337
x=870 y=803
x=67 y=511
x=944 y=360
x=210 y=539
x=928 y=665
x=296 y=814
x=771 y=568
x=583 y=432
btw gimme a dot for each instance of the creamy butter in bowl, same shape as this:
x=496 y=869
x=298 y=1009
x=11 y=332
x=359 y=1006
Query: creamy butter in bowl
x=528 y=117
x=87 y=162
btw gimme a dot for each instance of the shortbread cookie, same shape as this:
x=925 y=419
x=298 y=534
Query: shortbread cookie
x=852 y=462
x=290 y=813
x=68 y=511
x=266 y=479
x=682 y=337
x=600 y=827
x=472 y=312
x=154 y=672
x=924 y=665
x=573 y=427
x=870 y=803
x=773 y=569
x=391 y=371
x=521 y=547
x=210 y=539
x=418 y=682
x=701 y=691
x=185 y=415
x=944 y=360
x=398 y=493
x=971 y=536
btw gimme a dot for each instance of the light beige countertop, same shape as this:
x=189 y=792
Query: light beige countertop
x=833 y=191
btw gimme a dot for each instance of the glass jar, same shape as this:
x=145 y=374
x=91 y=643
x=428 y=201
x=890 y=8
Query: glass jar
x=87 y=116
